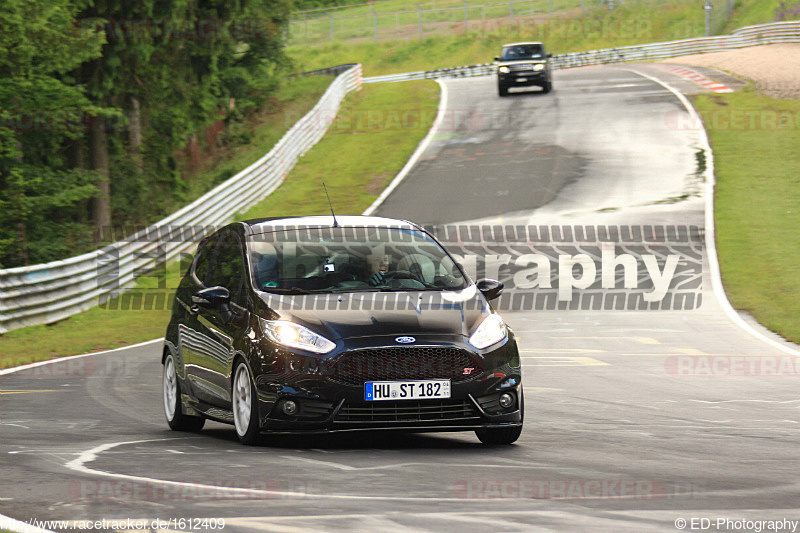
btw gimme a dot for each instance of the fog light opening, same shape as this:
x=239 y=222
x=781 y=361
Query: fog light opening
x=289 y=407
x=506 y=400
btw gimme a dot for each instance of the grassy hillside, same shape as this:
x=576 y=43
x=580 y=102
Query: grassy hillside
x=636 y=22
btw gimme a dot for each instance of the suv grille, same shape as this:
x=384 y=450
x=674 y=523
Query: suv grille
x=520 y=68
x=408 y=411
x=408 y=362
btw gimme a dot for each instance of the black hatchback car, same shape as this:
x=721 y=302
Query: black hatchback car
x=315 y=325
x=524 y=65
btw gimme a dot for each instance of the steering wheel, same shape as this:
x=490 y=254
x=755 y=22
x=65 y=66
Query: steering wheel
x=398 y=274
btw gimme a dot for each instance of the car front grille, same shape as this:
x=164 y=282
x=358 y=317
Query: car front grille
x=417 y=411
x=408 y=362
x=520 y=68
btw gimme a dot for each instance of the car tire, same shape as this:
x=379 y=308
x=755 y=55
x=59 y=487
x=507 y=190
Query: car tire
x=547 y=87
x=173 y=404
x=499 y=435
x=245 y=405
x=502 y=90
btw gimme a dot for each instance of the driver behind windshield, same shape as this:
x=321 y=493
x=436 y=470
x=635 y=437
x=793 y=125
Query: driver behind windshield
x=379 y=266
x=522 y=52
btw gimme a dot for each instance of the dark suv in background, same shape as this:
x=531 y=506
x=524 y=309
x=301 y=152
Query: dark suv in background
x=523 y=65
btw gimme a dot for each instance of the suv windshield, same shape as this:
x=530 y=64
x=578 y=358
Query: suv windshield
x=522 y=51
x=311 y=260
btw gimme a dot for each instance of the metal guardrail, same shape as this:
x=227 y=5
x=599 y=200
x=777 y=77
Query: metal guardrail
x=776 y=32
x=46 y=293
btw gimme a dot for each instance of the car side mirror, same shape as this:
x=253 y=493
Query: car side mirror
x=490 y=288
x=212 y=297
x=549 y=54
x=497 y=58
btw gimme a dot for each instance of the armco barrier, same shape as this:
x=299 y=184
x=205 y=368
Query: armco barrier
x=45 y=293
x=777 y=32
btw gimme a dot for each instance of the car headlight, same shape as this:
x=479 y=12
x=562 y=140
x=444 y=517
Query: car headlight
x=503 y=70
x=491 y=331
x=296 y=336
x=538 y=67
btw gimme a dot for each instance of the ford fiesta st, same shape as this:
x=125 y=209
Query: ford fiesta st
x=320 y=325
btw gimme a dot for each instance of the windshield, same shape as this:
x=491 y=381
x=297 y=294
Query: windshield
x=312 y=260
x=522 y=51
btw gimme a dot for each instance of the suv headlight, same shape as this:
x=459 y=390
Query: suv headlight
x=294 y=335
x=503 y=70
x=539 y=66
x=491 y=331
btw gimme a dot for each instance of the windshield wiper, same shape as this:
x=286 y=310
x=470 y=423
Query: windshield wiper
x=293 y=290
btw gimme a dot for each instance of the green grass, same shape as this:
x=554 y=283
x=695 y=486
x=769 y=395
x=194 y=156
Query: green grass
x=754 y=139
x=399 y=18
x=361 y=153
x=374 y=134
x=749 y=12
x=634 y=23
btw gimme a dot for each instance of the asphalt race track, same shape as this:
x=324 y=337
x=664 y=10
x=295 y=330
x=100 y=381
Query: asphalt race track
x=614 y=440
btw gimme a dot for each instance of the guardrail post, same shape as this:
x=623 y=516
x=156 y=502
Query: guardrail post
x=549 y=8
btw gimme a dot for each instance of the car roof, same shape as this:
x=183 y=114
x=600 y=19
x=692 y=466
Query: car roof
x=527 y=42
x=263 y=225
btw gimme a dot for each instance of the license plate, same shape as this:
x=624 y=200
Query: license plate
x=522 y=79
x=432 y=389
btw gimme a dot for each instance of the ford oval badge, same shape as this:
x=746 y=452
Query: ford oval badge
x=405 y=340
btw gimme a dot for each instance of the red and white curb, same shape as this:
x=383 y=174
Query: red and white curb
x=699 y=79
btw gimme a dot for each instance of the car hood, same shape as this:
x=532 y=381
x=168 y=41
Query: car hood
x=362 y=314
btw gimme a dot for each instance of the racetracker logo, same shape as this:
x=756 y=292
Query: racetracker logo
x=575 y=489
x=732 y=366
x=197 y=490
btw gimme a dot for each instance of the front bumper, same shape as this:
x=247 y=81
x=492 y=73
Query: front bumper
x=522 y=79
x=328 y=403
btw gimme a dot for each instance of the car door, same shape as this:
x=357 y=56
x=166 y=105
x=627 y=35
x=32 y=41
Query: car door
x=193 y=337
x=219 y=325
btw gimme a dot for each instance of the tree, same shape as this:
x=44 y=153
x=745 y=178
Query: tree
x=42 y=111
